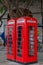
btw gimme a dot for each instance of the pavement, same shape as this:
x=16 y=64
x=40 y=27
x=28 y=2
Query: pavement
x=4 y=61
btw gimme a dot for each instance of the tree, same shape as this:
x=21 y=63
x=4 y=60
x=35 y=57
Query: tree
x=2 y=9
x=17 y=8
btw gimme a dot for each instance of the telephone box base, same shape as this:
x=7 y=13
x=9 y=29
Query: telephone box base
x=27 y=63
x=23 y=63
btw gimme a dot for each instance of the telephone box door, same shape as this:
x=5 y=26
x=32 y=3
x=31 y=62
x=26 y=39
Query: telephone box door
x=20 y=36
x=11 y=40
x=32 y=40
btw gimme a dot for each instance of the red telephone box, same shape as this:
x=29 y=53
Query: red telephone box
x=26 y=40
x=11 y=46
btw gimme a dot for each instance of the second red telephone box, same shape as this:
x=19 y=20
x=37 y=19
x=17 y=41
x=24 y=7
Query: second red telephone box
x=26 y=40
x=11 y=41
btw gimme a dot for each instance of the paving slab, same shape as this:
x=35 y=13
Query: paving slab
x=4 y=61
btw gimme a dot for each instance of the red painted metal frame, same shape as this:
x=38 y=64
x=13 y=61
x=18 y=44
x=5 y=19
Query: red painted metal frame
x=13 y=49
x=26 y=58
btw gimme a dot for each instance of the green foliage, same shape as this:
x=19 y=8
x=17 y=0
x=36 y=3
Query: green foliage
x=2 y=7
x=1 y=1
